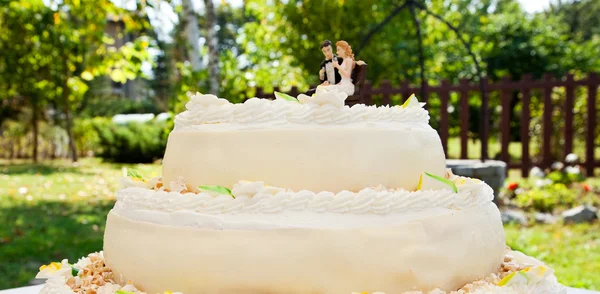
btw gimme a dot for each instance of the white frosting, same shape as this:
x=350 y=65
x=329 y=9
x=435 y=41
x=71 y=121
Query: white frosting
x=434 y=248
x=256 y=198
x=326 y=107
x=313 y=143
x=548 y=285
x=313 y=157
x=56 y=285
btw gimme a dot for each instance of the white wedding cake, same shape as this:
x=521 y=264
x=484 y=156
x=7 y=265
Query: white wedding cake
x=303 y=196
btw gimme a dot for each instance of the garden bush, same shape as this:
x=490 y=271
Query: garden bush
x=553 y=191
x=132 y=142
x=547 y=198
x=110 y=106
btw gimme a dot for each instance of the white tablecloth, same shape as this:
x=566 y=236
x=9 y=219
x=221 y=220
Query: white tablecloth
x=36 y=289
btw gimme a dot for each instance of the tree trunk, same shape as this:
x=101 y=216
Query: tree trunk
x=34 y=124
x=12 y=149
x=417 y=24
x=68 y=124
x=192 y=32
x=213 y=53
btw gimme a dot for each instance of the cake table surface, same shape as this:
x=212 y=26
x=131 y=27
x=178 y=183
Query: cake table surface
x=36 y=289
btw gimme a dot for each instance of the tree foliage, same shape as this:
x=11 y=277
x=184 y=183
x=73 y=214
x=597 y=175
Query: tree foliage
x=49 y=52
x=53 y=52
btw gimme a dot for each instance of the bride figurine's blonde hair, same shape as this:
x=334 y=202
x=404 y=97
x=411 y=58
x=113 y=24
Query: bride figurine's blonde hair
x=344 y=45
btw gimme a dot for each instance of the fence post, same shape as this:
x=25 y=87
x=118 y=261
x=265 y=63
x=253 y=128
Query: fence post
x=505 y=120
x=405 y=90
x=294 y=91
x=386 y=90
x=425 y=92
x=547 y=122
x=464 y=118
x=485 y=117
x=365 y=94
x=590 y=161
x=569 y=104
x=525 y=116
x=444 y=98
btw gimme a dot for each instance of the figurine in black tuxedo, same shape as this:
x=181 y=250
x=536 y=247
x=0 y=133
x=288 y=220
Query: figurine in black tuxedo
x=328 y=74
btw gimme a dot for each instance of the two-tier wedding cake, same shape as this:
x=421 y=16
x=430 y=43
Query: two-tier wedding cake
x=303 y=196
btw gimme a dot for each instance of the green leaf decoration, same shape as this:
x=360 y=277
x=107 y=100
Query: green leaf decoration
x=420 y=185
x=123 y=292
x=134 y=174
x=286 y=97
x=74 y=271
x=216 y=189
x=506 y=279
x=444 y=180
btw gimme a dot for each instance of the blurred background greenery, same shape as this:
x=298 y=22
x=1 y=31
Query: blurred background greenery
x=65 y=62
x=69 y=68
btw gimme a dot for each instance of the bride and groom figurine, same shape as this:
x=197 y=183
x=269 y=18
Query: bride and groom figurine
x=336 y=70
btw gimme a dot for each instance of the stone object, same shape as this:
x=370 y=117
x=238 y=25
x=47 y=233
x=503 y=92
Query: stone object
x=580 y=214
x=492 y=172
x=514 y=216
x=544 y=218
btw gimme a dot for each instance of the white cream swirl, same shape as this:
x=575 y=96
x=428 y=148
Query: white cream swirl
x=330 y=114
x=255 y=197
x=254 y=110
x=205 y=109
x=325 y=107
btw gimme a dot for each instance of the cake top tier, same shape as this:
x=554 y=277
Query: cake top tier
x=324 y=107
x=313 y=142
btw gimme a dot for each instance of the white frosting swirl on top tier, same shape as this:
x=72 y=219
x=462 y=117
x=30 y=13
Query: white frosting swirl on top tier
x=256 y=198
x=325 y=107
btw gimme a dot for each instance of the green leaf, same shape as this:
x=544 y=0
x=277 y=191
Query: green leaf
x=445 y=181
x=123 y=292
x=86 y=75
x=74 y=271
x=108 y=40
x=506 y=279
x=286 y=97
x=134 y=174
x=117 y=75
x=216 y=189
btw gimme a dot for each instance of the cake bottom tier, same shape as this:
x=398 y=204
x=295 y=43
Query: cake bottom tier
x=445 y=250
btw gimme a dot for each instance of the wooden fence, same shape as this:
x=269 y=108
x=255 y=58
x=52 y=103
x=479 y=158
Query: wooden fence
x=506 y=88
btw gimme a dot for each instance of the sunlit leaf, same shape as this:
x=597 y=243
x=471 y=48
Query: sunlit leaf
x=86 y=75
x=220 y=190
x=134 y=174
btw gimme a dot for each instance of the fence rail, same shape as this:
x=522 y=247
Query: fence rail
x=506 y=88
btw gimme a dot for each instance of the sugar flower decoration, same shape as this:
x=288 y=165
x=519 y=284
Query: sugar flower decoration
x=528 y=276
x=55 y=269
x=323 y=96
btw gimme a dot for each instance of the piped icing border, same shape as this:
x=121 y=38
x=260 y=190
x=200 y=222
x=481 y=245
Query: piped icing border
x=325 y=107
x=519 y=273
x=257 y=198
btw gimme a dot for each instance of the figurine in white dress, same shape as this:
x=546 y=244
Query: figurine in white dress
x=345 y=69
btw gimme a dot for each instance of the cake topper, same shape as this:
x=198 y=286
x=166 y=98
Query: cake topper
x=336 y=69
x=329 y=75
x=344 y=68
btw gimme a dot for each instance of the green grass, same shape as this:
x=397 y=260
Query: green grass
x=51 y=211
x=572 y=251
x=55 y=210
